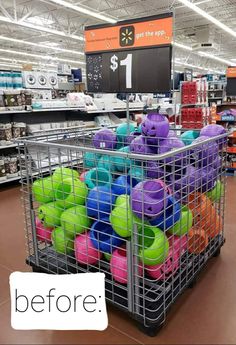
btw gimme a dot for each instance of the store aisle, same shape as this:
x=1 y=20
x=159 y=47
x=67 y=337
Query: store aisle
x=205 y=314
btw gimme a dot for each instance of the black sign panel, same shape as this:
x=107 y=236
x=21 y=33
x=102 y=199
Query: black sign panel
x=136 y=70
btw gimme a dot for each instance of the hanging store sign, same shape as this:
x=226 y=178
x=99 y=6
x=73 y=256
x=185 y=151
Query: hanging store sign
x=132 y=56
x=231 y=72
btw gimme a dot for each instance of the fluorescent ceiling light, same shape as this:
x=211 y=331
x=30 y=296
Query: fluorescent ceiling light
x=15 y=40
x=41 y=56
x=10 y=65
x=213 y=57
x=182 y=46
x=39 y=20
x=40 y=28
x=83 y=10
x=206 y=15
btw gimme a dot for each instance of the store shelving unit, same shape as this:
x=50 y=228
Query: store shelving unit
x=216 y=92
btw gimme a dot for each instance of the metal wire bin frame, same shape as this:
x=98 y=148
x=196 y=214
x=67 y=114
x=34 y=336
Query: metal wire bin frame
x=148 y=213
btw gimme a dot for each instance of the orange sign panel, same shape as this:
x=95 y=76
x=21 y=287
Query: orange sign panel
x=148 y=33
x=231 y=72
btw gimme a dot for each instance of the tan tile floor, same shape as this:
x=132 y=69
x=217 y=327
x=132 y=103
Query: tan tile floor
x=203 y=315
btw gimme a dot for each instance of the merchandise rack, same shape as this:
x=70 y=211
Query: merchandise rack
x=145 y=299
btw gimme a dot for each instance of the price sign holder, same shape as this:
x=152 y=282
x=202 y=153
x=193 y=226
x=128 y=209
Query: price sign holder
x=130 y=56
x=231 y=81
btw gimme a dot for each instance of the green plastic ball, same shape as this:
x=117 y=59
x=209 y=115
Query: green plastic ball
x=43 y=190
x=61 y=242
x=50 y=214
x=71 y=192
x=75 y=220
x=60 y=174
x=189 y=136
x=106 y=162
x=122 y=218
x=217 y=192
x=185 y=223
x=154 y=246
x=138 y=173
x=107 y=256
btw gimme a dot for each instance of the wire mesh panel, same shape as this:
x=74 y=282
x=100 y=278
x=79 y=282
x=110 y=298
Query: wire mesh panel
x=146 y=209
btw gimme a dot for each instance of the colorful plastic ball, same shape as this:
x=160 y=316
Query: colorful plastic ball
x=60 y=174
x=103 y=237
x=148 y=198
x=43 y=190
x=106 y=162
x=119 y=266
x=123 y=185
x=71 y=192
x=165 y=270
x=208 y=179
x=197 y=240
x=122 y=199
x=217 y=192
x=156 y=126
x=85 y=252
x=137 y=173
x=122 y=218
x=50 y=214
x=90 y=159
x=105 y=139
x=205 y=153
x=184 y=224
x=189 y=136
x=98 y=177
x=153 y=246
x=132 y=136
x=107 y=256
x=61 y=243
x=155 y=170
x=140 y=146
x=178 y=243
x=43 y=234
x=169 y=217
x=187 y=180
x=123 y=131
x=214 y=130
x=170 y=144
x=122 y=164
x=75 y=220
x=100 y=201
x=82 y=176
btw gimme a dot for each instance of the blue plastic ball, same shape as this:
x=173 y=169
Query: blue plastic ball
x=99 y=202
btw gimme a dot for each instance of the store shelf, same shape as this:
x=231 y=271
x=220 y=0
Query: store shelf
x=194 y=105
x=2 y=147
x=10 y=179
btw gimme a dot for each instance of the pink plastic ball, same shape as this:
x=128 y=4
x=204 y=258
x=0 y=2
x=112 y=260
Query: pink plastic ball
x=82 y=176
x=165 y=270
x=119 y=266
x=179 y=244
x=43 y=234
x=85 y=252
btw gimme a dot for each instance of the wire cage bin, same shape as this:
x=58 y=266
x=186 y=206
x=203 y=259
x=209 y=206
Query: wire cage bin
x=145 y=209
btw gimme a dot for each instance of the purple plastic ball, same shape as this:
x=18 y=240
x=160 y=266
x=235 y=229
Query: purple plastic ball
x=155 y=126
x=154 y=170
x=206 y=153
x=148 y=198
x=132 y=136
x=187 y=180
x=139 y=145
x=213 y=131
x=208 y=179
x=105 y=139
x=170 y=144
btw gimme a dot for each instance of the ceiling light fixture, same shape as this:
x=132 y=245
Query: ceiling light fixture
x=40 y=28
x=16 y=40
x=182 y=46
x=41 y=56
x=206 y=15
x=83 y=10
x=213 y=57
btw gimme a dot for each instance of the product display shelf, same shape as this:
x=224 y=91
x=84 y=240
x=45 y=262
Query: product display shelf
x=12 y=145
x=17 y=178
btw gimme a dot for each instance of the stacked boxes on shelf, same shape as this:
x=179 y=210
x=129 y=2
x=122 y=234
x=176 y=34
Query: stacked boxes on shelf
x=194 y=94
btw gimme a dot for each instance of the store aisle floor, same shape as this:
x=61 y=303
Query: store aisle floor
x=203 y=315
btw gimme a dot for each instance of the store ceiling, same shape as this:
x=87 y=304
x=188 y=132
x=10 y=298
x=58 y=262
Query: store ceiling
x=55 y=32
